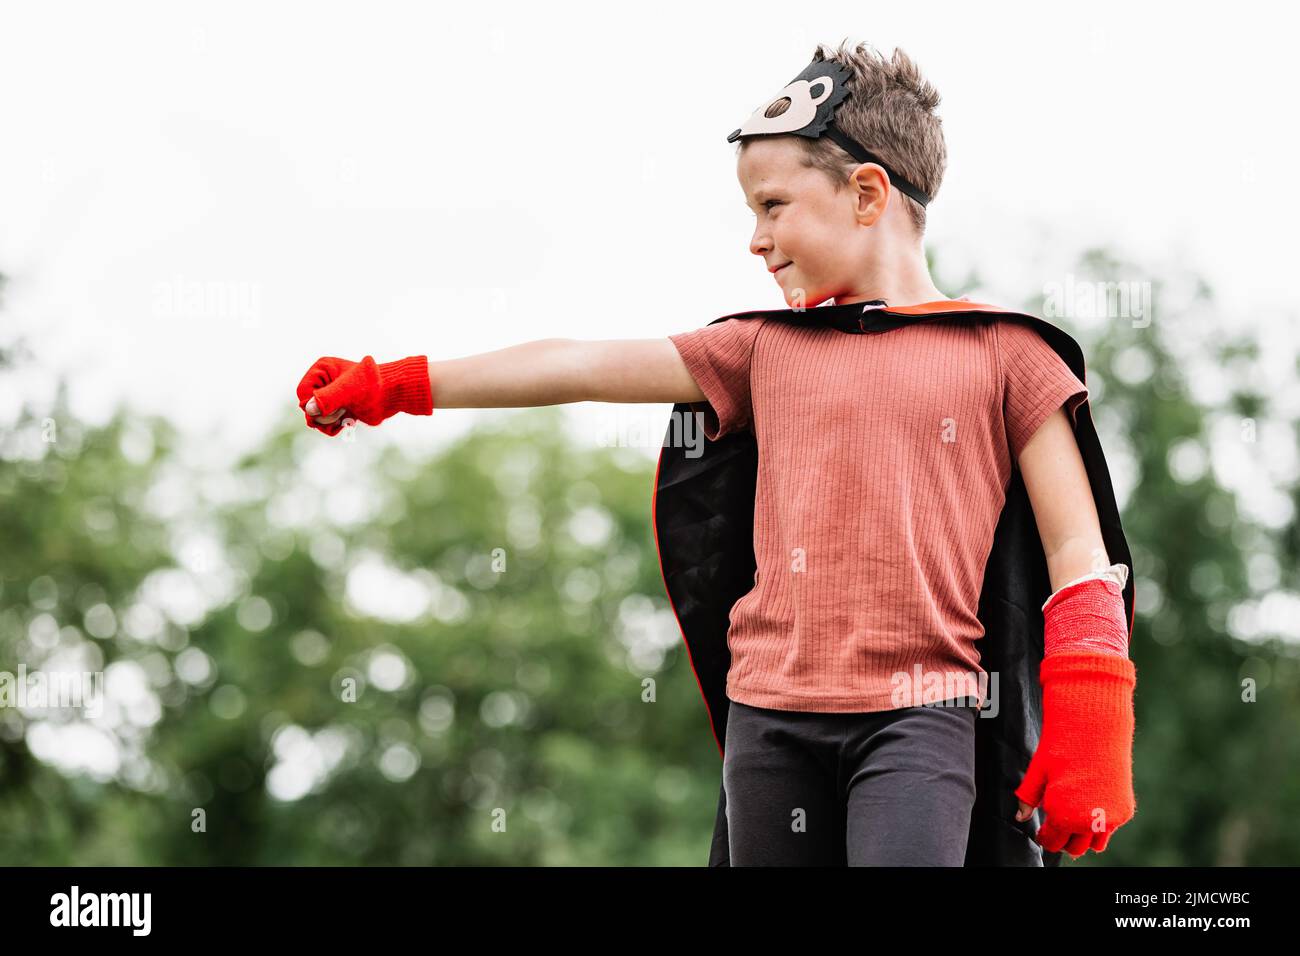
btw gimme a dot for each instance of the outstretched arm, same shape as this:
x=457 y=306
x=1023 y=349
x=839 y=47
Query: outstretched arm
x=555 y=372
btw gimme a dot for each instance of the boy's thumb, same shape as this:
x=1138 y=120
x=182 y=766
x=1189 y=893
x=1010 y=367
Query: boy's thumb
x=311 y=408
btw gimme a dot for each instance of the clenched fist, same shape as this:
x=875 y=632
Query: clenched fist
x=366 y=391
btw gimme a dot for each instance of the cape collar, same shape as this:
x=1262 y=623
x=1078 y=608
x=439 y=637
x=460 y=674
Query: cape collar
x=874 y=316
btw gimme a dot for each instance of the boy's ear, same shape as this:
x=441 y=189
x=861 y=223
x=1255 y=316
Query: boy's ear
x=871 y=190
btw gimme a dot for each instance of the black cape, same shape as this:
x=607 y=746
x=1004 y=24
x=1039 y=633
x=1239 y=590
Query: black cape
x=703 y=516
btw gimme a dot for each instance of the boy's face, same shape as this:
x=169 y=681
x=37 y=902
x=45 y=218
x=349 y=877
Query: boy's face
x=805 y=229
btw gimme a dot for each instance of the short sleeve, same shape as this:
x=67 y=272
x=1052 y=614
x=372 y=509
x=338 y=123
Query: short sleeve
x=718 y=357
x=1036 y=382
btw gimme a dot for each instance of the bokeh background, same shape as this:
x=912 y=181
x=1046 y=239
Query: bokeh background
x=378 y=648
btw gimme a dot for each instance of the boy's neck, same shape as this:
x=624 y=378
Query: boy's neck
x=902 y=280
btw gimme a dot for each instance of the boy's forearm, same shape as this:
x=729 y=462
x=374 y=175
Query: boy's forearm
x=541 y=372
x=1075 y=558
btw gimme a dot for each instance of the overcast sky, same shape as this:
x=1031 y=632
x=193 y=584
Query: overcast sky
x=196 y=204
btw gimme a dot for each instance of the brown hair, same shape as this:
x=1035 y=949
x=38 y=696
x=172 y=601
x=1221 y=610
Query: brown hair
x=890 y=111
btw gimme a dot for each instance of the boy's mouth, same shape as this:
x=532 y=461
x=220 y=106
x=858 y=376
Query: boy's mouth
x=777 y=270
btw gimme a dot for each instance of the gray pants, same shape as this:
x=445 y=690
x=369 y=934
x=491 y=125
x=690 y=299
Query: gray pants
x=893 y=788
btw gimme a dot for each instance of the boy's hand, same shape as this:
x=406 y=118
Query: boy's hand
x=313 y=411
x=1082 y=771
x=365 y=390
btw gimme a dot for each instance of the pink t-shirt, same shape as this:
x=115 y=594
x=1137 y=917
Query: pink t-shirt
x=883 y=464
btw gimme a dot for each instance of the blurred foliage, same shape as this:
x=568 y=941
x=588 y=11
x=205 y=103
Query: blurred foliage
x=518 y=693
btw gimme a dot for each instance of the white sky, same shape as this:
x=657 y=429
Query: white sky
x=396 y=179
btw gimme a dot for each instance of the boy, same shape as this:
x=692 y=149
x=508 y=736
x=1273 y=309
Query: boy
x=877 y=496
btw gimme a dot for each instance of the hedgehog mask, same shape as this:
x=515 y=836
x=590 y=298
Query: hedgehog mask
x=806 y=106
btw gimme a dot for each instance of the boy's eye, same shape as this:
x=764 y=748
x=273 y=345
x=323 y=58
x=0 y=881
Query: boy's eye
x=768 y=204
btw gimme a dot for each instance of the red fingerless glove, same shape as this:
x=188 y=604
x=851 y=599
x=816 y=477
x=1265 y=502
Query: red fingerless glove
x=1082 y=771
x=369 y=392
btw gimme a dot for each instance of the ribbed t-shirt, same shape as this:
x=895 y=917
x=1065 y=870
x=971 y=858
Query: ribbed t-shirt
x=883 y=465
